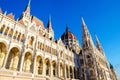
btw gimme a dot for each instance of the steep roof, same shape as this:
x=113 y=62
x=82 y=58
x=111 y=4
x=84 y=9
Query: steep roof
x=38 y=22
x=10 y=15
x=21 y=22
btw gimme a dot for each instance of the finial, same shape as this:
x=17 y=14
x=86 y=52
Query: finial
x=83 y=22
x=29 y=2
x=67 y=29
x=49 y=18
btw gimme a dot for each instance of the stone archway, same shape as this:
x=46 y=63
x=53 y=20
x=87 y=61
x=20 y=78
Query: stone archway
x=54 y=68
x=2 y=53
x=39 y=65
x=13 y=59
x=27 y=62
x=47 y=67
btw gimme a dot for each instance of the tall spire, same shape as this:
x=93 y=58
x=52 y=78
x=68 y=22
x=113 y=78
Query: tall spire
x=98 y=45
x=27 y=10
x=86 y=37
x=67 y=29
x=49 y=25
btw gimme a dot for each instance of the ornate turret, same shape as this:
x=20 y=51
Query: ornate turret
x=27 y=9
x=86 y=37
x=26 y=17
x=98 y=45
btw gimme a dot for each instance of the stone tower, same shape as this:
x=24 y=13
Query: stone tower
x=90 y=68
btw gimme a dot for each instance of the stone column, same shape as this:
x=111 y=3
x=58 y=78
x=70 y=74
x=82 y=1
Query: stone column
x=5 y=61
x=51 y=70
x=44 y=68
x=22 y=60
x=58 y=69
x=65 y=71
x=34 y=65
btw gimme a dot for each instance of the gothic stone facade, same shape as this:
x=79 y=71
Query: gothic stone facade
x=28 y=51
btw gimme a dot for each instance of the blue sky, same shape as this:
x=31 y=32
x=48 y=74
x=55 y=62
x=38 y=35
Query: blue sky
x=101 y=16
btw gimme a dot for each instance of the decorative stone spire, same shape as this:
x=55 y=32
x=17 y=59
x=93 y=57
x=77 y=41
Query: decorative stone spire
x=49 y=28
x=67 y=29
x=98 y=45
x=49 y=25
x=27 y=10
x=86 y=37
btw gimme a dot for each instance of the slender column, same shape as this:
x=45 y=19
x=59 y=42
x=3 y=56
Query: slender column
x=22 y=60
x=44 y=68
x=5 y=61
x=51 y=69
x=58 y=69
x=34 y=65
x=65 y=71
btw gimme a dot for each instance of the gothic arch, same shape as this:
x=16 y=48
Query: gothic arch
x=47 y=66
x=13 y=59
x=2 y=53
x=39 y=65
x=54 y=68
x=61 y=70
x=27 y=65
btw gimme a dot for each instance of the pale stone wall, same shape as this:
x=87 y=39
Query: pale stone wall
x=26 y=55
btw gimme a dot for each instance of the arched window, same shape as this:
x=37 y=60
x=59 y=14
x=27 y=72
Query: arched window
x=13 y=59
x=10 y=33
x=47 y=62
x=39 y=65
x=54 y=68
x=15 y=35
x=6 y=31
x=22 y=38
x=2 y=29
x=27 y=62
x=31 y=40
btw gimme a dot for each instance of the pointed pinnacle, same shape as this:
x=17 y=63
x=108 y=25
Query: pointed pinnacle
x=29 y=3
x=83 y=22
x=67 y=29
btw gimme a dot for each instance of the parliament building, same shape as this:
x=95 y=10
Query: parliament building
x=28 y=51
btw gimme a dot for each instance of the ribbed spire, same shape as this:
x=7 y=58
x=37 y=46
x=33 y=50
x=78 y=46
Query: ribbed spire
x=98 y=45
x=86 y=37
x=27 y=10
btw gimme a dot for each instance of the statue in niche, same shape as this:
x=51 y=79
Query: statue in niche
x=27 y=64
x=37 y=65
x=15 y=61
